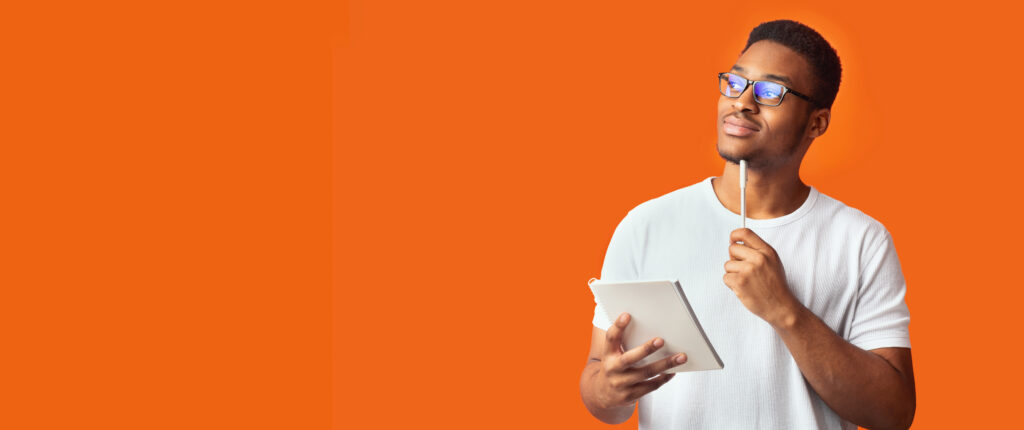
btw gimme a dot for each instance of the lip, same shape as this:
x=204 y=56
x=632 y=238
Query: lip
x=736 y=127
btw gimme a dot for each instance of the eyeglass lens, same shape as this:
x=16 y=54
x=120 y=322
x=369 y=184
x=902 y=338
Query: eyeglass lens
x=767 y=93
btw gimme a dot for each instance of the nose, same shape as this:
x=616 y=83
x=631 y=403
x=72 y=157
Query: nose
x=745 y=102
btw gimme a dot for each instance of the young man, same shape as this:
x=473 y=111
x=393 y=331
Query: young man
x=805 y=307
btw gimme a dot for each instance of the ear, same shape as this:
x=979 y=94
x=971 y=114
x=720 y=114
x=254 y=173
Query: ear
x=819 y=122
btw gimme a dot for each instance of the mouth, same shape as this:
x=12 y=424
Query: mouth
x=736 y=127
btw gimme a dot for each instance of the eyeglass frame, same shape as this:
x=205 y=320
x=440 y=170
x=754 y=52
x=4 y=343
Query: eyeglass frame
x=750 y=84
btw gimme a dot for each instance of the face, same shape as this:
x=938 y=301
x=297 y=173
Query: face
x=769 y=136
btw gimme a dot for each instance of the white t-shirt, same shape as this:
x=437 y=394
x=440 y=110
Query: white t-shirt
x=839 y=262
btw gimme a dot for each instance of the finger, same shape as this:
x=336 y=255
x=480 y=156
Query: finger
x=749 y=238
x=613 y=337
x=662 y=365
x=641 y=389
x=736 y=266
x=731 y=280
x=636 y=354
x=744 y=253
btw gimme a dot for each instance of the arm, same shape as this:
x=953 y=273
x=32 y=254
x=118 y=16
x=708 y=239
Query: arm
x=609 y=385
x=873 y=389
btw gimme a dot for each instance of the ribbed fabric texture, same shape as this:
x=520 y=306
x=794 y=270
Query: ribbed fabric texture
x=839 y=262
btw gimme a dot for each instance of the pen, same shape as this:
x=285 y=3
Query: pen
x=743 y=191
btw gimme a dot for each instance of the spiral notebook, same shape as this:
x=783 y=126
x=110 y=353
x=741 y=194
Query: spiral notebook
x=658 y=309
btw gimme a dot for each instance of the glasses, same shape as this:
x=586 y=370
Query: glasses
x=765 y=92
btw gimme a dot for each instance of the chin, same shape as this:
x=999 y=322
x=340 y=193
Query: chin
x=730 y=151
x=729 y=156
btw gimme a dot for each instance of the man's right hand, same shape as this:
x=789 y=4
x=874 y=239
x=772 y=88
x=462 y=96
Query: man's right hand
x=617 y=383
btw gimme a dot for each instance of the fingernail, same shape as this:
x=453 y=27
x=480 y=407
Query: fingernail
x=622 y=318
x=681 y=358
x=658 y=342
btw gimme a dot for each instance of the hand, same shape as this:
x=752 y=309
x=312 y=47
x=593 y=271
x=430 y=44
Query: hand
x=755 y=274
x=617 y=383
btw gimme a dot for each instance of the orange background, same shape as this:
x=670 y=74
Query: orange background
x=487 y=150
x=173 y=176
x=165 y=179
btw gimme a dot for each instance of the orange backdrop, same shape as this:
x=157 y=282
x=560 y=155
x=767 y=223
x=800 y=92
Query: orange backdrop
x=165 y=182
x=166 y=177
x=485 y=151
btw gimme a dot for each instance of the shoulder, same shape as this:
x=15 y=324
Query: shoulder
x=668 y=205
x=851 y=224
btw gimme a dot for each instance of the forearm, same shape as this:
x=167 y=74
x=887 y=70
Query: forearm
x=614 y=415
x=860 y=386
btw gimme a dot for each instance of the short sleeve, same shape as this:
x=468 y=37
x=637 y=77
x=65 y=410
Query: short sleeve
x=619 y=262
x=881 y=318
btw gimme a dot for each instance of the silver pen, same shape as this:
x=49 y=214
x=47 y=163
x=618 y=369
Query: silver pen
x=743 y=191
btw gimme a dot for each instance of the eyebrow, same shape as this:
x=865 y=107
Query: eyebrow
x=768 y=76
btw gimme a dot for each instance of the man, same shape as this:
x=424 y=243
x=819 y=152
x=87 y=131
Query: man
x=807 y=312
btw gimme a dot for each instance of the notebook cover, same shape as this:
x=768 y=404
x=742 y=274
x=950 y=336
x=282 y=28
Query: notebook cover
x=658 y=308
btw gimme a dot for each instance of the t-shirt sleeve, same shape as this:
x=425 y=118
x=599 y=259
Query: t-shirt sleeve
x=881 y=318
x=619 y=262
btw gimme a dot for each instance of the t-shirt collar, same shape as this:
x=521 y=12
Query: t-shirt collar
x=721 y=211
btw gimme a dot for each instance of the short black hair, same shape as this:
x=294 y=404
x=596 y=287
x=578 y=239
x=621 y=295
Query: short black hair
x=808 y=43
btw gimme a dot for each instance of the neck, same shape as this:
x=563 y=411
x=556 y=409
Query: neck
x=770 y=194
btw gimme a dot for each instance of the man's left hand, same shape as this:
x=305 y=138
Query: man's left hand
x=755 y=274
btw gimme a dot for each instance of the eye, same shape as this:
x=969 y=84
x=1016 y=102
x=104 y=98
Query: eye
x=736 y=83
x=769 y=91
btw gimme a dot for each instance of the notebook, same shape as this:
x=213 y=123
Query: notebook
x=658 y=309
